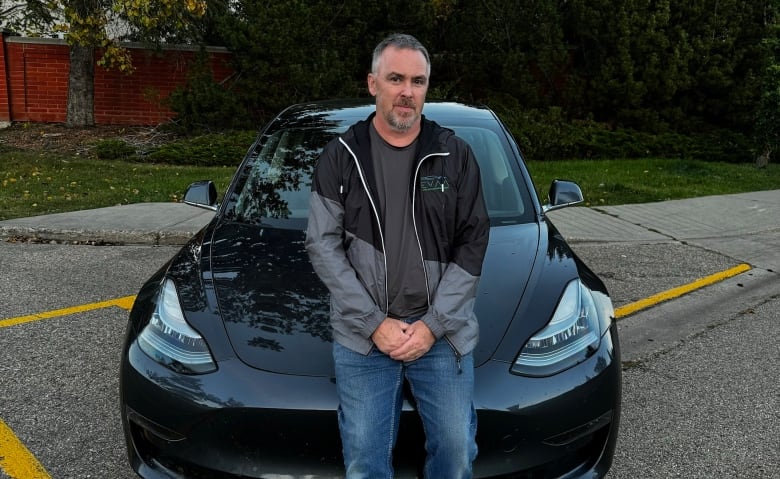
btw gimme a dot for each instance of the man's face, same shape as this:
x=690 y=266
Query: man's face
x=399 y=85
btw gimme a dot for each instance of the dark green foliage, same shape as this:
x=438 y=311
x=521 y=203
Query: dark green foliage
x=669 y=57
x=223 y=149
x=767 y=130
x=285 y=52
x=546 y=135
x=113 y=149
x=293 y=51
x=575 y=78
x=768 y=116
x=211 y=149
x=8 y=149
x=505 y=47
x=202 y=105
x=28 y=16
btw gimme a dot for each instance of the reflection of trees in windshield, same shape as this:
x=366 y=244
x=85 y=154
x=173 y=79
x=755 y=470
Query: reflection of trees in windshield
x=275 y=185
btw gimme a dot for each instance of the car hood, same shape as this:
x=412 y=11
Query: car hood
x=276 y=310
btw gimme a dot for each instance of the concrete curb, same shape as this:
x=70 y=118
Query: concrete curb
x=138 y=224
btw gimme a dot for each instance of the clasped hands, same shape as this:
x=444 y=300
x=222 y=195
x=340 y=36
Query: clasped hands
x=402 y=341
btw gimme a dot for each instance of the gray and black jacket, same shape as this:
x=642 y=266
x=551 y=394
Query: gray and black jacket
x=346 y=245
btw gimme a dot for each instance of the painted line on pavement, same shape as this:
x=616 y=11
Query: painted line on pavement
x=16 y=460
x=125 y=302
x=679 y=291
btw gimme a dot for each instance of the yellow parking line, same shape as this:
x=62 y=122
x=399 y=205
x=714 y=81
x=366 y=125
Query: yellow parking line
x=679 y=291
x=16 y=460
x=125 y=302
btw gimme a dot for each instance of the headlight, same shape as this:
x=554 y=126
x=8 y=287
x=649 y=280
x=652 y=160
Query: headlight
x=571 y=336
x=170 y=341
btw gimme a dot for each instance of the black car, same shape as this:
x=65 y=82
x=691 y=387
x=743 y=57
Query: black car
x=227 y=370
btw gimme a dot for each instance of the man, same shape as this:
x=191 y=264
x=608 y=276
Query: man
x=397 y=232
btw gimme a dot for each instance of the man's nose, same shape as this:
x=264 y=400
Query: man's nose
x=407 y=88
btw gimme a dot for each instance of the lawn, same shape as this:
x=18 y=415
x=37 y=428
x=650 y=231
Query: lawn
x=614 y=182
x=35 y=182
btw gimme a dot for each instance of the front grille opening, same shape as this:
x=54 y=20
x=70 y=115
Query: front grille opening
x=583 y=430
x=575 y=460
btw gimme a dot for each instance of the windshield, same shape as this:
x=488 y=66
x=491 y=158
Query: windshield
x=274 y=186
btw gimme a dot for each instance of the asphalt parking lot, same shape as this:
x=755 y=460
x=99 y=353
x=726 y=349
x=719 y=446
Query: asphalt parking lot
x=700 y=371
x=706 y=406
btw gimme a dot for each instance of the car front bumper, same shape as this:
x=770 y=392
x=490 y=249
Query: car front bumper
x=244 y=422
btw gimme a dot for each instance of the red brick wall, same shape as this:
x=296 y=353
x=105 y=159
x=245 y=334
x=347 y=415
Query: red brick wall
x=34 y=76
x=5 y=113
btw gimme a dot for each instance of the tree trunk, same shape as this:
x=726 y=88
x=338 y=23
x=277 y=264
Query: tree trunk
x=763 y=159
x=81 y=87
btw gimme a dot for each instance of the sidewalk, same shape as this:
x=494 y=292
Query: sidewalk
x=744 y=226
x=138 y=223
x=682 y=220
x=704 y=219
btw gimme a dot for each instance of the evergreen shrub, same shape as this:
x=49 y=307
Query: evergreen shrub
x=215 y=149
x=203 y=105
x=113 y=149
x=546 y=135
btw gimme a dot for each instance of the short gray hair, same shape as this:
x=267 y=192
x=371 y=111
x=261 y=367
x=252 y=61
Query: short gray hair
x=400 y=41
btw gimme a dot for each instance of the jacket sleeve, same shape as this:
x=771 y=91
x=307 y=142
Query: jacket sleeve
x=452 y=305
x=325 y=243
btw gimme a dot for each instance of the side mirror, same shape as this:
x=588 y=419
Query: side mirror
x=562 y=194
x=202 y=194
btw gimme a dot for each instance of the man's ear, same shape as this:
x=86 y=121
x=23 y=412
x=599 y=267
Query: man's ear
x=371 y=84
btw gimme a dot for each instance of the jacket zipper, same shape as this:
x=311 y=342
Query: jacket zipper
x=419 y=246
x=414 y=223
x=361 y=174
x=376 y=216
x=457 y=354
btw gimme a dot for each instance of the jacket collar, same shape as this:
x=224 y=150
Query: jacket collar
x=429 y=141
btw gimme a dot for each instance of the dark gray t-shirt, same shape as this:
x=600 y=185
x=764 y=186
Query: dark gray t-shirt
x=393 y=167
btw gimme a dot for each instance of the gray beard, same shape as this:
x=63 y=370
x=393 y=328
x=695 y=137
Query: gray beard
x=400 y=125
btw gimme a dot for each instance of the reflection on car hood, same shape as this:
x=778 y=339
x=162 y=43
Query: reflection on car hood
x=276 y=310
x=274 y=307
x=509 y=261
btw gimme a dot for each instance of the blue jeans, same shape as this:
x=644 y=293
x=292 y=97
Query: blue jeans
x=370 y=400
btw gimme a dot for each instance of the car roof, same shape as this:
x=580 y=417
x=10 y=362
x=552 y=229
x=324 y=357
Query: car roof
x=341 y=111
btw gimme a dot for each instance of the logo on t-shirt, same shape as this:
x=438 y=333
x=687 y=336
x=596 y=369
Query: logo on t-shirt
x=434 y=183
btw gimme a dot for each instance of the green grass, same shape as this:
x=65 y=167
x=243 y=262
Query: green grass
x=615 y=182
x=35 y=183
